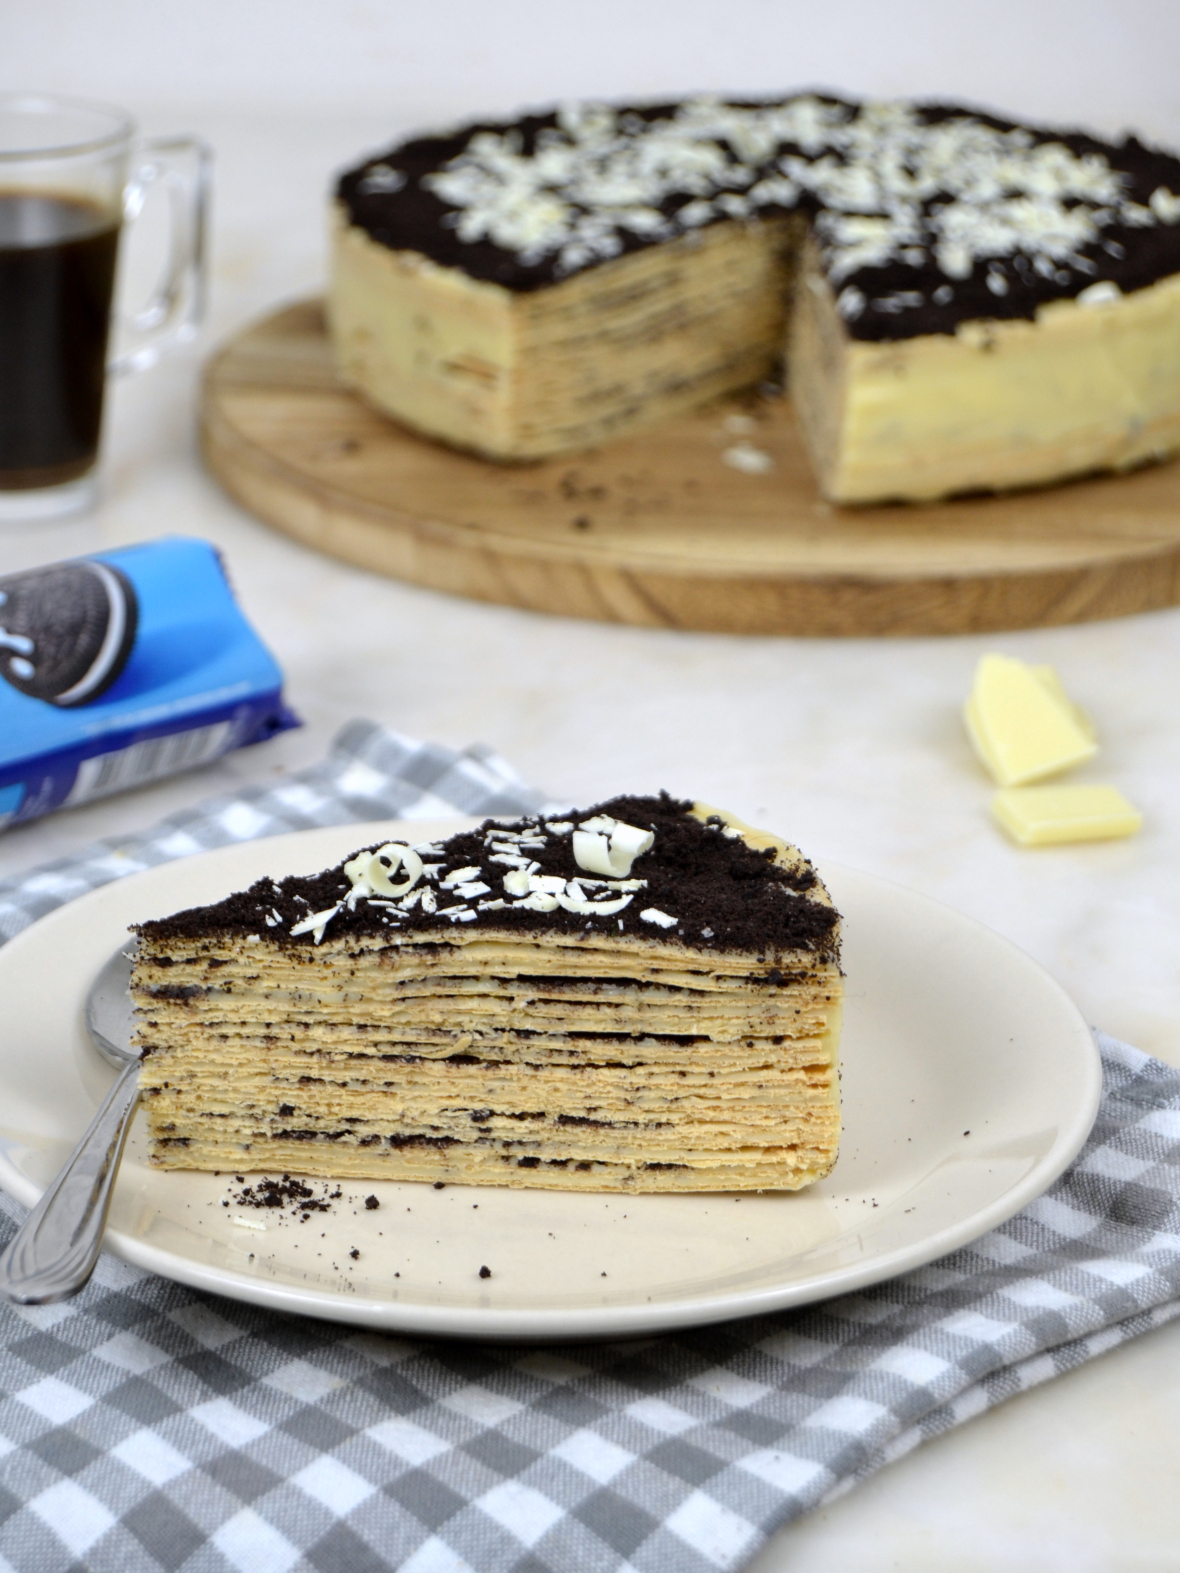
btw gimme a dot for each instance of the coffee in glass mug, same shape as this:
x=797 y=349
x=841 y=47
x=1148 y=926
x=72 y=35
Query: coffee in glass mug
x=71 y=174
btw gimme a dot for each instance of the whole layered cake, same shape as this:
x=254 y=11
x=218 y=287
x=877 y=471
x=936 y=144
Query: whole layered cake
x=963 y=302
x=644 y=996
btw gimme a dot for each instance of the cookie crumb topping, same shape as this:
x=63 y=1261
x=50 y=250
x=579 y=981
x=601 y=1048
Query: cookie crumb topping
x=702 y=884
x=937 y=192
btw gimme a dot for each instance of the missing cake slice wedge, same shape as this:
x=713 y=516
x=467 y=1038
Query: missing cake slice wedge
x=644 y=996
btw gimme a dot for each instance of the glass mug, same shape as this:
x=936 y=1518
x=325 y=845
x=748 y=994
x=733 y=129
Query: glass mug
x=71 y=175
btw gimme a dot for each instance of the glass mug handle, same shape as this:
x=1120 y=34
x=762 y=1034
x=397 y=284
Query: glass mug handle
x=173 y=311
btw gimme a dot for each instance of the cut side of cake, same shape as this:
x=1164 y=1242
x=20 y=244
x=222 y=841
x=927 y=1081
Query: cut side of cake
x=642 y=997
x=980 y=305
x=523 y=375
x=1089 y=384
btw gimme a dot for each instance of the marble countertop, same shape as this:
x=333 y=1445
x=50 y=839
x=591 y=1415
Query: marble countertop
x=855 y=749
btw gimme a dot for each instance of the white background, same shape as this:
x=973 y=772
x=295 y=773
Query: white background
x=413 y=61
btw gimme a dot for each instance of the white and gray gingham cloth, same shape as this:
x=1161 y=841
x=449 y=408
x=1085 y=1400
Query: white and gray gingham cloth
x=147 y=1427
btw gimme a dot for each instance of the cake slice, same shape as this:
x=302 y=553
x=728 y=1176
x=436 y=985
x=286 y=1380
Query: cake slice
x=983 y=404
x=641 y=997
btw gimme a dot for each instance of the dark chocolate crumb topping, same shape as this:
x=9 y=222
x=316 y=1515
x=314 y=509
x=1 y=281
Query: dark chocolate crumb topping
x=926 y=215
x=702 y=886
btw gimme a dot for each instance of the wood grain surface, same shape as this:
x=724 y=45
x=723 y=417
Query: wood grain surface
x=657 y=528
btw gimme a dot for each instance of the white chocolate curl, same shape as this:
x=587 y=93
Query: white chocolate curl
x=607 y=846
x=369 y=871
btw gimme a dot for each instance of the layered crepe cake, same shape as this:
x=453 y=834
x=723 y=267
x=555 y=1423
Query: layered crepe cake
x=964 y=303
x=642 y=997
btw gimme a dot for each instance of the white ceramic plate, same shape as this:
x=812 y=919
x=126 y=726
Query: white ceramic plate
x=970 y=1081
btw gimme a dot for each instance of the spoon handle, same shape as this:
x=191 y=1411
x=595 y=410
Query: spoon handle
x=54 y=1251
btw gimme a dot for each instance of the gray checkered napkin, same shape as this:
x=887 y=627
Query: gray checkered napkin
x=146 y=1427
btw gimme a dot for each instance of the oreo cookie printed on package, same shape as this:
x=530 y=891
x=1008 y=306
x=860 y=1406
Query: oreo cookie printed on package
x=66 y=631
x=122 y=668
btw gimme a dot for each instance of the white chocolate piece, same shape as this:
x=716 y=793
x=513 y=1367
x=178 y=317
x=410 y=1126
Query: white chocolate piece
x=386 y=860
x=1021 y=723
x=369 y=871
x=317 y=922
x=1048 y=815
x=607 y=846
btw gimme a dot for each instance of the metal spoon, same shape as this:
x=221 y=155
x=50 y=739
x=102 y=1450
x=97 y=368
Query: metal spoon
x=54 y=1251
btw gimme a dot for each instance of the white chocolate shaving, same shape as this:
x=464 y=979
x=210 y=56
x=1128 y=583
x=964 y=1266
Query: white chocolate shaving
x=894 y=185
x=316 y=923
x=538 y=901
x=589 y=908
x=663 y=919
x=607 y=846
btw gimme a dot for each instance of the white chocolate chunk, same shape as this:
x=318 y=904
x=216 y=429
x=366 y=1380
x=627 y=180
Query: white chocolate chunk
x=749 y=460
x=1047 y=815
x=1021 y=723
x=517 y=882
x=592 y=852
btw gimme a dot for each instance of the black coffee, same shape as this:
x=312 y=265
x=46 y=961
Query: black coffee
x=57 y=270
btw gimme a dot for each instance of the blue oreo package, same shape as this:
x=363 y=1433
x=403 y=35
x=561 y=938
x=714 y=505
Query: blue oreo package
x=124 y=667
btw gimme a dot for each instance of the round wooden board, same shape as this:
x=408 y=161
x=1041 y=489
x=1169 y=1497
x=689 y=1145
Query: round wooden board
x=657 y=528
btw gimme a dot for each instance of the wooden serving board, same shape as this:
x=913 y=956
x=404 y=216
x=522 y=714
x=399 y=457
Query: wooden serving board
x=657 y=528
